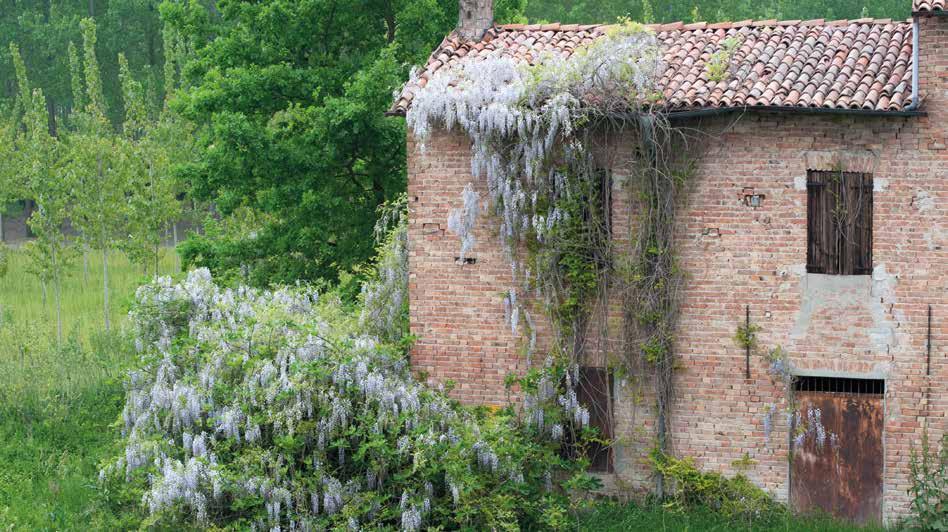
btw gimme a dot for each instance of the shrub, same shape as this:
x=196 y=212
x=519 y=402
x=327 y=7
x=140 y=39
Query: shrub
x=929 y=491
x=734 y=498
x=253 y=408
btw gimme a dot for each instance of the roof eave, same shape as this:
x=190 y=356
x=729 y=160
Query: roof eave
x=691 y=113
x=713 y=111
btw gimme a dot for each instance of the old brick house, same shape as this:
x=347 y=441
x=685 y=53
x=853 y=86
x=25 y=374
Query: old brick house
x=865 y=332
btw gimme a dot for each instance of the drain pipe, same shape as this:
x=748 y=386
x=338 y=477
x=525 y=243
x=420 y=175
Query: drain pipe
x=915 y=99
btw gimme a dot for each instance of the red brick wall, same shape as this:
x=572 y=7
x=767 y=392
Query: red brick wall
x=734 y=256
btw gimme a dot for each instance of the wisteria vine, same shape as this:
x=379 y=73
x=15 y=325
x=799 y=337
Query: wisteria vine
x=537 y=132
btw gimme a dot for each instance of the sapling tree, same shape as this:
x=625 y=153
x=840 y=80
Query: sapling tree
x=7 y=167
x=152 y=202
x=99 y=167
x=41 y=178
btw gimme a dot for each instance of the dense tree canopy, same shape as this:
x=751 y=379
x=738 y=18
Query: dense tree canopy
x=591 y=11
x=292 y=95
x=43 y=30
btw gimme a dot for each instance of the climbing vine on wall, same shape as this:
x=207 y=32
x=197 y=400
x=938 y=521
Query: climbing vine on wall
x=545 y=138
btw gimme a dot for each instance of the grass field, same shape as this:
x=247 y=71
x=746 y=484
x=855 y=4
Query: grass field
x=58 y=400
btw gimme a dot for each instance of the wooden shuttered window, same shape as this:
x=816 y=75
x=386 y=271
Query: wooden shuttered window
x=839 y=223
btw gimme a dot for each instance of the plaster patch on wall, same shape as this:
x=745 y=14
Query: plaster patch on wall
x=846 y=160
x=848 y=296
x=880 y=184
x=799 y=182
x=923 y=201
x=934 y=238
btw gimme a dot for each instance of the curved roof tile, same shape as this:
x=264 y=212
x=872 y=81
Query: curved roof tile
x=862 y=64
x=930 y=7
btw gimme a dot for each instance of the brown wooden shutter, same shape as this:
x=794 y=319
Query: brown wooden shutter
x=818 y=230
x=860 y=187
x=839 y=223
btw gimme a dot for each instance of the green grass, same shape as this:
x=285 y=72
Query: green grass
x=59 y=400
x=655 y=518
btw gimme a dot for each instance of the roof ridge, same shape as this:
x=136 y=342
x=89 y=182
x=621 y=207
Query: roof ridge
x=691 y=26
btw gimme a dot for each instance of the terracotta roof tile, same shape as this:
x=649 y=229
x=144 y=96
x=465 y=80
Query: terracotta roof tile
x=929 y=7
x=865 y=64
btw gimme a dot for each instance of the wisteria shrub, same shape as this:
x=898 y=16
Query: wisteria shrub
x=252 y=408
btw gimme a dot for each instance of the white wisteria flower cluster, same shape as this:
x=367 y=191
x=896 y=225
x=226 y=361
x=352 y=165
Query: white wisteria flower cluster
x=252 y=408
x=385 y=296
x=517 y=115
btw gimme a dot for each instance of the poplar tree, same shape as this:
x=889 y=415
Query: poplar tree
x=39 y=175
x=7 y=169
x=152 y=202
x=98 y=165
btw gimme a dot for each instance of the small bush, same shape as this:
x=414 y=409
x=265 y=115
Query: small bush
x=929 y=491
x=735 y=498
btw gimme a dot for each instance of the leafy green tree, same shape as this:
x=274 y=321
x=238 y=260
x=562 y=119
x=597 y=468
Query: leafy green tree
x=99 y=165
x=44 y=29
x=290 y=97
x=151 y=203
x=39 y=175
x=8 y=169
x=595 y=11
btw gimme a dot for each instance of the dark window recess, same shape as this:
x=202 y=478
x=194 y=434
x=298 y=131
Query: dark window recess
x=595 y=391
x=839 y=385
x=839 y=223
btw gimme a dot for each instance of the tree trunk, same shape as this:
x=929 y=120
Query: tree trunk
x=28 y=210
x=105 y=286
x=57 y=294
x=2 y=235
x=85 y=264
x=104 y=242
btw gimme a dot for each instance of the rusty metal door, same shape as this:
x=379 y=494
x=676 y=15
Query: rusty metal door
x=842 y=477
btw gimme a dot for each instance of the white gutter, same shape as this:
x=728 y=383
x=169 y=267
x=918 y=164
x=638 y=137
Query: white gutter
x=915 y=99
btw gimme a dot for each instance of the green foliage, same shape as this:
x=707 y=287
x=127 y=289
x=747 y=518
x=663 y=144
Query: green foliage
x=929 y=491
x=719 y=65
x=746 y=336
x=577 y=251
x=44 y=31
x=649 y=11
x=295 y=126
x=57 y=403
x=384 y=292
x=735 y=498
